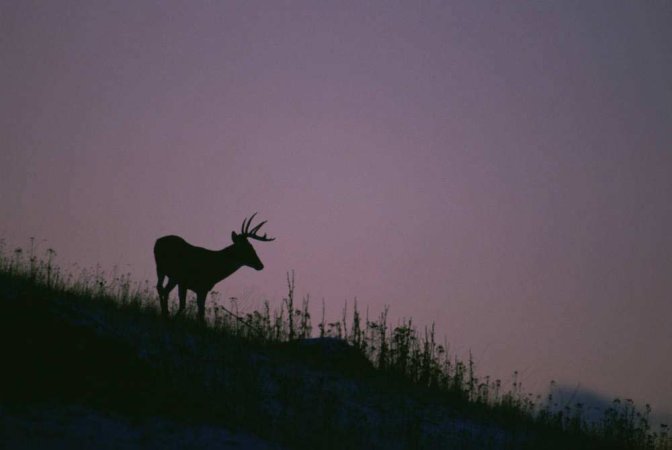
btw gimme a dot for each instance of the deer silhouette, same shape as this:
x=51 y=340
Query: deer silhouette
x=199 y=269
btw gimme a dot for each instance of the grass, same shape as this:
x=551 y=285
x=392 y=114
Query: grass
x=99 y=340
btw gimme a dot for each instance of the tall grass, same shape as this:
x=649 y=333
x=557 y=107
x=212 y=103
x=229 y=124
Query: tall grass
x=404 y=354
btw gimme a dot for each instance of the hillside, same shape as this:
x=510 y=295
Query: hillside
x=81 y=366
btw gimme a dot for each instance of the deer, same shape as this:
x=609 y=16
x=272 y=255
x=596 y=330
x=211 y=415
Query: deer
x=199 y=269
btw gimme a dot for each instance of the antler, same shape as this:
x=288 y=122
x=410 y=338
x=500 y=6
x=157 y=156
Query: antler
x=245 y=230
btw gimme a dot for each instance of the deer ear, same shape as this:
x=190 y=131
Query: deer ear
x=234 y=237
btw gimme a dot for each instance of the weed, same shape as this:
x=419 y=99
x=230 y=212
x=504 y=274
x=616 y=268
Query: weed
x=243 y=380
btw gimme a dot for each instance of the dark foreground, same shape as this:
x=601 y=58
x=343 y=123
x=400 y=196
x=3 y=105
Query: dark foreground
x=86 y=372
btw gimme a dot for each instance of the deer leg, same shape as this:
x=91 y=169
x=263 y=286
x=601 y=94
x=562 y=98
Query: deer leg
x=163 y=295
x=159 y=283
x=182 y=291
x=159 y=288
x=200 y=301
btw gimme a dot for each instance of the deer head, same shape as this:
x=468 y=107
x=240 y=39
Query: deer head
x=246 y=253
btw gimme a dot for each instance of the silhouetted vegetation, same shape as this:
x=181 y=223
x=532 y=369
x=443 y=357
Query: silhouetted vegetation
x=100 y=340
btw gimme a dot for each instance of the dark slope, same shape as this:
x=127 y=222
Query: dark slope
x=63 y=350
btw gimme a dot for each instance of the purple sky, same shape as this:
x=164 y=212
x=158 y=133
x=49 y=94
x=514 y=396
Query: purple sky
x=504 y=171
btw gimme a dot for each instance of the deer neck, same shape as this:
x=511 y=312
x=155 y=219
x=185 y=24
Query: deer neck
x=229 y=261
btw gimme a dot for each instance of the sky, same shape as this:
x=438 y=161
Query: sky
x=501 y=170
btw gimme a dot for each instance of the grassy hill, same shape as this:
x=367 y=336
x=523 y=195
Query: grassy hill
x=90 y=362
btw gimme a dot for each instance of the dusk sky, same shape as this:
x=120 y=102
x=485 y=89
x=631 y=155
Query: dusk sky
x=503 y=169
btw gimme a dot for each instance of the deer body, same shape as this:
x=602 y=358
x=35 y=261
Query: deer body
x=198 y=269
